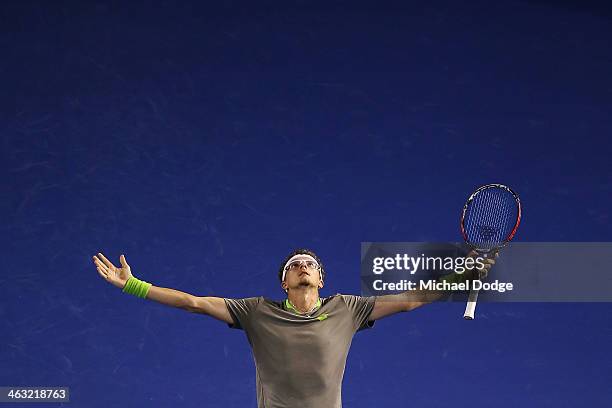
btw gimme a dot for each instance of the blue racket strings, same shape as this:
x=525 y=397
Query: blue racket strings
x=490 y=218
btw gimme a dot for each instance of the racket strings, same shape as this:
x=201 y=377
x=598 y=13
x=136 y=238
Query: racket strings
x=490 y=218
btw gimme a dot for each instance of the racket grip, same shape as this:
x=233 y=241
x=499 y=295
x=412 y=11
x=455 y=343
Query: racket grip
x=471 y=305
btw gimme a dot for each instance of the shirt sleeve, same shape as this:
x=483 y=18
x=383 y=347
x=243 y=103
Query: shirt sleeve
x=360 y=308
x=242 y=311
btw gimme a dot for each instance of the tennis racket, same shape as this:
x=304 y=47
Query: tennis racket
x=489 y=221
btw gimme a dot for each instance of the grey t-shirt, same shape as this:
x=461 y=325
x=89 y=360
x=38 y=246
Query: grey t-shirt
x=300 y=360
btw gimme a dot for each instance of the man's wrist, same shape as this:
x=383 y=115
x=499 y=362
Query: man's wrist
x=137 y=287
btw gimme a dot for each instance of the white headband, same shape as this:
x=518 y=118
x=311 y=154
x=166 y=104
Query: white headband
x=302 y=257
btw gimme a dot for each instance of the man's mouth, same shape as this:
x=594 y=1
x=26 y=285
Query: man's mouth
x=304 y=273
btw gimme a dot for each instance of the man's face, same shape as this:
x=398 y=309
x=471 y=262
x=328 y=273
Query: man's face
x=302 y=271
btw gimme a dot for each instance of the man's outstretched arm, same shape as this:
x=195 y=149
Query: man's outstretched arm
x=211 y=306
x=389 y=305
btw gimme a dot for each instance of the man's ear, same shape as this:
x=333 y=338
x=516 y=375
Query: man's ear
x=321 y=283
x=284 y=285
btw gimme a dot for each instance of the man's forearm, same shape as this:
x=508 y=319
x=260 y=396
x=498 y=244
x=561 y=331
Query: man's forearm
x=416 y=298
x=420 y=297
x=170 y=297
x=388 y=305
x=424 y=297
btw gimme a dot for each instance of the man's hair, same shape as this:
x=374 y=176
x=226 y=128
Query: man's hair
x=301 y=251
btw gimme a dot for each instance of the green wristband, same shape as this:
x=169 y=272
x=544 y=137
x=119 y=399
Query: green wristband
x=137 y=287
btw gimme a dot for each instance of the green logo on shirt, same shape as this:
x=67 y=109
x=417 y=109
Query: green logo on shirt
x=322 y=317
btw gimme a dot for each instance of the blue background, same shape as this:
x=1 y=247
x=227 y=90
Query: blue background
x=206 y=142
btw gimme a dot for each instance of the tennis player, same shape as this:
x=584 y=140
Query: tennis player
x=299 y=344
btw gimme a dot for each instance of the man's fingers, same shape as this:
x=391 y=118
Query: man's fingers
x=106 y=261
x=123 y=261
x=101 y=273
x=104 y=268
x=99 y=263
x=96 y=260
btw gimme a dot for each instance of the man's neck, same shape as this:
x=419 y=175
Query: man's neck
x=304 y=300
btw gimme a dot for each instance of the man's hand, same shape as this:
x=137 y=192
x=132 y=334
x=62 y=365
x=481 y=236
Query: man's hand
x=116 y=276
x=488 y=262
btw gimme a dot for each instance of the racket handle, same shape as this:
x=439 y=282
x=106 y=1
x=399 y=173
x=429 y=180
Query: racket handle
x=470 y=308
x=471 y=305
